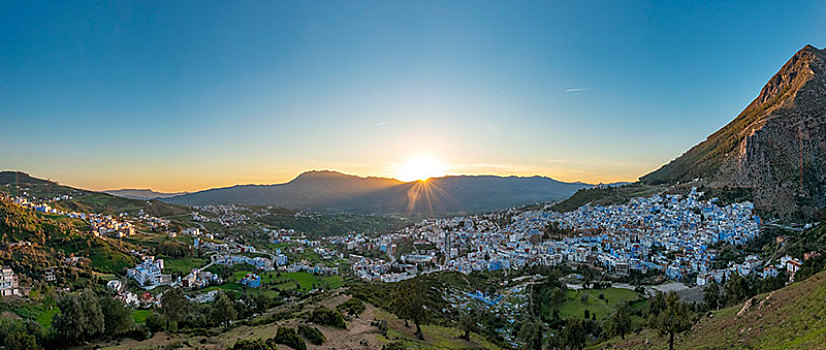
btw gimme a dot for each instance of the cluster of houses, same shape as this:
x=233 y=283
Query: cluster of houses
x=668 y=233
x=111 y=227
x=101 y=225
x=226 y=215
x=197 y=278
x=259 y=262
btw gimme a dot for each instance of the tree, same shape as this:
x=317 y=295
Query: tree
x=408 y=299
x=558 y=296
x=80 y=317
x=531 y=333
x=621 y=322
x=21 y=341
x=288 y=336
x=173 y=306
x=117 y=319
x=223 y=310
x=737 y=289
x=674 y=318
x=324 y=316
x=711 y=296
x=352 y=307
x=312 y=334
x=573 y=334
x=469 y=321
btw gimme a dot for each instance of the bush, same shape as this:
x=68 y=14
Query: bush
x=327 y=317
x=312 y=334
x=288 y=337
x=351 y=307
x=256 y=344
x=154 y=322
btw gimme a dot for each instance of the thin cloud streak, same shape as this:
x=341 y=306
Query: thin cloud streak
x=577 y=89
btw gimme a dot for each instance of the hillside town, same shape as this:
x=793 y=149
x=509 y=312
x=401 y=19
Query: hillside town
x=672 y=234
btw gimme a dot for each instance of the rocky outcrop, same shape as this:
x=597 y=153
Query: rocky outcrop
x=776 y=146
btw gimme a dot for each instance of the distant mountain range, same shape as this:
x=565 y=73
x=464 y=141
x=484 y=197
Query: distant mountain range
x=776 y=146
x=337 y=192
x=143 y=194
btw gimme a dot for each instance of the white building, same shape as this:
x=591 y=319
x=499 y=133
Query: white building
x=149 y=272
x=8 y=282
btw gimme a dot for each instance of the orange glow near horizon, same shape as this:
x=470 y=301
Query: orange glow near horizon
x=203 y=177
x=420 y=168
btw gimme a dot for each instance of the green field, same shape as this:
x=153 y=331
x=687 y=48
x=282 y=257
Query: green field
x=42 y=314
x=182 y=266
x=288 y=279
x=614 y=297
x=140 y=315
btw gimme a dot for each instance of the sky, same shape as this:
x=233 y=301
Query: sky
x=189 y=95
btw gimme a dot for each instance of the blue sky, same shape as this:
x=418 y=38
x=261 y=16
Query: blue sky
x=189 y=95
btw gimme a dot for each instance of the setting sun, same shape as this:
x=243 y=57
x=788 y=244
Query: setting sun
x=420 y=168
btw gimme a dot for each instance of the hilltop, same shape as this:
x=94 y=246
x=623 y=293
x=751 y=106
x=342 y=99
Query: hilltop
x=17 y=183
x=337 y=192
x=142 y=194
x=775 y=147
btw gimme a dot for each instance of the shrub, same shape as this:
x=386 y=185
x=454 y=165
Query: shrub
x=351 y=307
x=288 y=337
x=312 y=334
x=327 y=317
x=154 y=322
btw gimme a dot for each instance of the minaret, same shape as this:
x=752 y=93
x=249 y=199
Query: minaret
x=447 y=244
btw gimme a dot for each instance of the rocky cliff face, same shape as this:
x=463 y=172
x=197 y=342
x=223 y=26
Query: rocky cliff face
x=776 y=146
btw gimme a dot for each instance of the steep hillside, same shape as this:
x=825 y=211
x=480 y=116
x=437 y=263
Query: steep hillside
x=607 y=195
x=17 y=177
x=22 y=184
x=789 y=318
x=33 y=241
x=332 y=191
x=776 y=146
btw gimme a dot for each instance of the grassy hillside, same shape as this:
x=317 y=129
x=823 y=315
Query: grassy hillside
x=789 y=318
x=88 y=201
x=331 y=224
x=607 y=196
x=52 y=237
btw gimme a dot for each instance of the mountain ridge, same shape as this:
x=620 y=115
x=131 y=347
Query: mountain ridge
x=324 y=190
x=775 y=146
x=142 y=193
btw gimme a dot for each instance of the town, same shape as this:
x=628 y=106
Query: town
x=670 y=234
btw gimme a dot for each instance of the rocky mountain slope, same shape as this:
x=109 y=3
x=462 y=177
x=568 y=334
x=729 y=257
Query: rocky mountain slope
x=776 y=146
x=333 y=191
